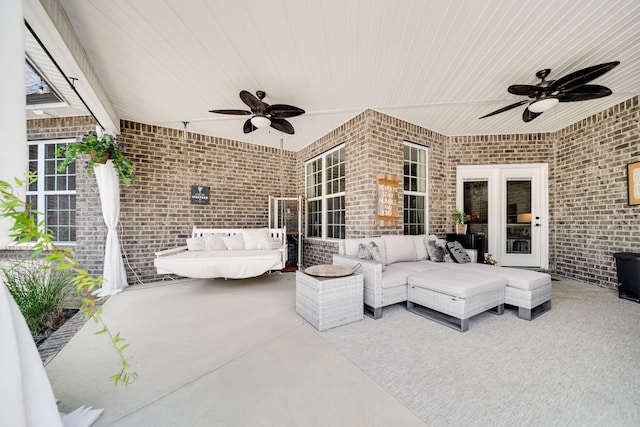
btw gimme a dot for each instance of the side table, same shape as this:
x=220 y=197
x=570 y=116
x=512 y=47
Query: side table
x=327 y=302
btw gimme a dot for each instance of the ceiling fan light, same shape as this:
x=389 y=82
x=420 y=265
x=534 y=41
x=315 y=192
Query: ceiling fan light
x=543 y=105
x=260 y=121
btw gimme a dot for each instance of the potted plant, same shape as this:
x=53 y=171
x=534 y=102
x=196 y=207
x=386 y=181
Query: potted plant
x=100 y=149
x=459 y=218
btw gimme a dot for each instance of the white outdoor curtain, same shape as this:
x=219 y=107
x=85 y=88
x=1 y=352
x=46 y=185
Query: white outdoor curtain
x=115 y=277
x=26 y=398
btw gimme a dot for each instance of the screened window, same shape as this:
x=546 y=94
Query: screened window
x=415 y=189
x=325 y=195
x=53 y=194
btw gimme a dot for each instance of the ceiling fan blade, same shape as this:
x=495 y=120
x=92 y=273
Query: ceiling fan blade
x=248 y=126
x=281 y=111
x=526 y=90
x=282 y=125
x=581 y=77
x=507 y=108
x=584 y=93
x=528 y=115
x=234 y=112
x=256 y=105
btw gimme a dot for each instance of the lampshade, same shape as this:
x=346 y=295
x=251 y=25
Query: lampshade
x=524 y=217
x=543 y=105
x=260 y=121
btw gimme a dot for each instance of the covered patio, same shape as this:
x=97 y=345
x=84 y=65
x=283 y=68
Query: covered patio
x=235 y=353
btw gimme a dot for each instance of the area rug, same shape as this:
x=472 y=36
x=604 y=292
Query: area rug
x=576 y=365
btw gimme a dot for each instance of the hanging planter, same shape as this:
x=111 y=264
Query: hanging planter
x=100 y=149
x=101 y=160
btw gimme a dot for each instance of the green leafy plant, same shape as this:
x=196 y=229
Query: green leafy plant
x=26 y=230
x=39 y=292
x=100 y=149
x=458 y=216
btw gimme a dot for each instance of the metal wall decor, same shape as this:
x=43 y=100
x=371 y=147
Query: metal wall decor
x=199 y=195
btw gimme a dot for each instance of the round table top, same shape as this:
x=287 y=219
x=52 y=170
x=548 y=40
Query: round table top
x=328 y=270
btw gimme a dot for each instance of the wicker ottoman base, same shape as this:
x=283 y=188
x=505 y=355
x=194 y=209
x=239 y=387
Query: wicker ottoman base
x=530 y=303
x=329 y=302
x=452 y=297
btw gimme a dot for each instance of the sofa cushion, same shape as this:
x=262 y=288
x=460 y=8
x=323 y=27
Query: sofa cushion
x=395 y=275
x=516 y=277
x=458 y=253
x=399 y=248
x=421 y=249
x=417 y=266
x=457 y=282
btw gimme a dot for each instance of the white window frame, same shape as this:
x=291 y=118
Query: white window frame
x=41 y=193
x=324 y=197
x=424 y=193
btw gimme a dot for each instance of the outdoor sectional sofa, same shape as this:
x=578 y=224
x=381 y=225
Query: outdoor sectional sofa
x=402 y=270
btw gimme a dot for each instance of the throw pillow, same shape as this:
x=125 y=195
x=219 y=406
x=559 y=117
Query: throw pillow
x=375 y=251
x=196 y=244
x=458 y=253
x=364 y=253
x=234 y=243
x=275 y=243
x=437 y=249
x=213 y=242
x=256 y=238
x=370 y=252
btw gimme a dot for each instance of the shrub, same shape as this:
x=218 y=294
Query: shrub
x=39 y=292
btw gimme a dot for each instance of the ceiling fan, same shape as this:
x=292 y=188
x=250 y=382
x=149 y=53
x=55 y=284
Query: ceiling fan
x=264 y=114
x=547 y=93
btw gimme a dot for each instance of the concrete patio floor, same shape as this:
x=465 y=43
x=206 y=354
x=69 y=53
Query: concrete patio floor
x=218 y=353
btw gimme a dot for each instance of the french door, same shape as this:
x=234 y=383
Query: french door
x=509 y=205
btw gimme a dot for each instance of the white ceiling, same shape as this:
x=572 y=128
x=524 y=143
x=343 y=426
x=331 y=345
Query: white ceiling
x=439 y=64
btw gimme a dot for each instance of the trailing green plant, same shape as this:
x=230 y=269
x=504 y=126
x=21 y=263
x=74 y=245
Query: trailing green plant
x=39 y=292
x=458 y=216
x=99 y=149
x=26 y=230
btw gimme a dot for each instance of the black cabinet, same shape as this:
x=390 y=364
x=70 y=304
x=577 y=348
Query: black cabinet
x=471 y=241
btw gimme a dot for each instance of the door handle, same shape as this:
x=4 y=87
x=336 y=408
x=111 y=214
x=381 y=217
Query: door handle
x=538 y=225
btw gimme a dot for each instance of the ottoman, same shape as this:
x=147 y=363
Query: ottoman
x=528 y=290
x=451 y=297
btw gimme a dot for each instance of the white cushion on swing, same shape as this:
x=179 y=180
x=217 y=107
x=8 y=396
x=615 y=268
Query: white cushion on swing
x=229 y=264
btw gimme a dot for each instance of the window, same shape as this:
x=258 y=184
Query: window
x=415 y=189
x=53 y=193
x=325 y=195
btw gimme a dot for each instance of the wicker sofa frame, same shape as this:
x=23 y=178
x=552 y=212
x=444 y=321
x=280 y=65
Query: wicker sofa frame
x=530 y=303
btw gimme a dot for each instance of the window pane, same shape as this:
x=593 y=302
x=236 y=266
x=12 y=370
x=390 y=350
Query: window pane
x=314 y=219
x=58 y=210
x=415 y=189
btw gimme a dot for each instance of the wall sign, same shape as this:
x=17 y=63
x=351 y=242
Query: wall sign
x=387 y=214
x=199 y=195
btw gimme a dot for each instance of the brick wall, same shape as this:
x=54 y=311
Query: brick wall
x=589 y=215
x=503 y=149
x=156 y=212
x=593 y=217
x=373 y=145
